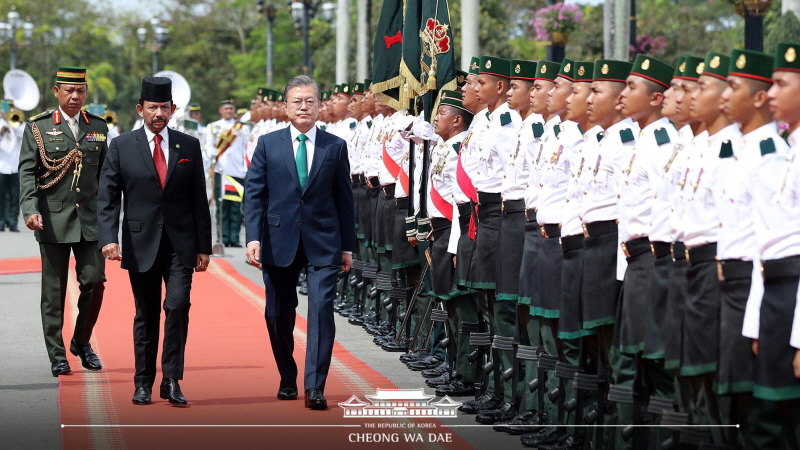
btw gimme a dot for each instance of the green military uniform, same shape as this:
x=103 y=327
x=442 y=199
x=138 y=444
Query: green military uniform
x=67 y=201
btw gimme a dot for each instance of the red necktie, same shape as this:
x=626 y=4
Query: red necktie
x=160 y=162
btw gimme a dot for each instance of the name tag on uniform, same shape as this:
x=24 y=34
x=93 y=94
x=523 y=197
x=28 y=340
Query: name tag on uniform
x=56 y=140
x=95 y=137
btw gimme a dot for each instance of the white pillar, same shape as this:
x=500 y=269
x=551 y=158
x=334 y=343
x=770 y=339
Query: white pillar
x=362 y=43
x=791 y=5
x=342 y=41
x=608 y=29
x=622 y=29
x=470 y=12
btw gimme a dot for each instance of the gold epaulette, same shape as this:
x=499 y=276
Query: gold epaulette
x=40 y=115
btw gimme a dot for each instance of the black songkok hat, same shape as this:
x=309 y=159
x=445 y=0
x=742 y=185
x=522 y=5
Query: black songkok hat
x=156 y=89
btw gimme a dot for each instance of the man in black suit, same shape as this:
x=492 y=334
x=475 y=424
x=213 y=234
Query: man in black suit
x=299 y=214
x=166 y=232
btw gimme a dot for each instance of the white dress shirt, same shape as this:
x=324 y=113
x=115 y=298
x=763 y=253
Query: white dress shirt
x=164 y=141
x=312 y=137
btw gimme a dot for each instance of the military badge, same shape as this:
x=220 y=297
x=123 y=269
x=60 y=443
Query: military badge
x=581 y=71
x=544 y=68
x=517 y=69
x=791 y=55
x=55 y=132
x=682 y=67
x=489 y=64
x=714 y=63
x=741 y=61
x=646 y=64
x=700 y=68
x=568 y=67
x=604 y=69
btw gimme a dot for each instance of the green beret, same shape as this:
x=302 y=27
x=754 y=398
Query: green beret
x=336 y=89
x=523 y=70
x=567 y=69
x=786 y=57
x=491 y=65
x=547 y=70
x=611 y=70
x=346 y=89
x=751 y=64
x=71 y=75
x=716 y=65
x=326 y=95
x=367 y=84
x=689 y=68
x=226 y=102
x=454 y=99
x=358 y=88
x=261 y=92
x=474 y=65
x=652 y=69
x=583 y=71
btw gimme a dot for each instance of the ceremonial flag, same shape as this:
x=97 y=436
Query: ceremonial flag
x=388 y=52
x=428 y=59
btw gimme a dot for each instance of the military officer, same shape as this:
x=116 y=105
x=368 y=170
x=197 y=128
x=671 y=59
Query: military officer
x=60 y=160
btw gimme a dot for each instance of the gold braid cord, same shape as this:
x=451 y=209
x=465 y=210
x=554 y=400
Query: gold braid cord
x=60 y=165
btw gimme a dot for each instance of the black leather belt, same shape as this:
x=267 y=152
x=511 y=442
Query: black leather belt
x=439 y=223
x=569 y=243
x=512 y=206
x=636 y=247
x=734 y=269
x=600 y=228
x=374 y=181
x=357 y=178
x=660 y=249
x=701 y=254
x=550 y=230
x=775 y=269
x=489 y=197
x=464 y=209
x=402 y=202
x=388 y=190
x=530 y=214
x=678 y=250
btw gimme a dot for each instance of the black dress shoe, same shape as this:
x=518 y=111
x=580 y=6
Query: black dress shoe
x=89 y=359
x=141 y=396
x=456 y=388
x=486 y=401
x=171 y=390
x=287 y=393
x=236 y=245
x=488 y=417
x=60 y=368
x=315 y=400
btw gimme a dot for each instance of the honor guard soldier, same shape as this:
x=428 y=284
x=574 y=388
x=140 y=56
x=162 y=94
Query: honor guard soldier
x=770 y=191
x=773 y=320
x=451 y=122
x=227 y=138
x=60 y=160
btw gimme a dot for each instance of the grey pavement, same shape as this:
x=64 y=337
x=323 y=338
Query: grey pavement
x=29 y=394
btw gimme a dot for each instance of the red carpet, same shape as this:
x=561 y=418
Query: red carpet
x=12 y=266
x=230 y=381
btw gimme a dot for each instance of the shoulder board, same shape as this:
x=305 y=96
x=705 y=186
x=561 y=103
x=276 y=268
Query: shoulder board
x=557 y=129
x=662 y=137
x=505 y=119
x=41 y=115
x=726 y=149
x=538 y=129
x=94 y=116
x=767 y=146
x=626 y=135
x=600 y=136
x=457 y=147
x=352 y=124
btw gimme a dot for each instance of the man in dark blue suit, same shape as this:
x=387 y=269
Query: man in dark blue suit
x=299 y=214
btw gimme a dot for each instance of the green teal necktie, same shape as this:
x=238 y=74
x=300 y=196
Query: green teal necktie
x=302 y=161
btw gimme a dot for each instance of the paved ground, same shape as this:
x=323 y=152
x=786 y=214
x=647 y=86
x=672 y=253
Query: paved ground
x=28 y=393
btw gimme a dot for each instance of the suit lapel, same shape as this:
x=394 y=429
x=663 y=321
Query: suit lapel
x=287 y=150
x=143 y=147
x=320 y=150
x=174 y=146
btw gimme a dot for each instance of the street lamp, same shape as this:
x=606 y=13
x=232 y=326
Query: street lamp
x=270 y=12
x=160 y=39
x=302 y=12
x=8 y=32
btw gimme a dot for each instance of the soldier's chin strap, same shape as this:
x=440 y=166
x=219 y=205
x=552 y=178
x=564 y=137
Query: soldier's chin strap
x=60 y=165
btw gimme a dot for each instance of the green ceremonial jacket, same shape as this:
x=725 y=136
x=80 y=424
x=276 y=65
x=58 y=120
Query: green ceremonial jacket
x=68 y=207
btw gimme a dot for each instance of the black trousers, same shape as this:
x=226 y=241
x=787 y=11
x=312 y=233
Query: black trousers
x=146 y=288
x=9 y=200
x=280 y=284
x=90 y=272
